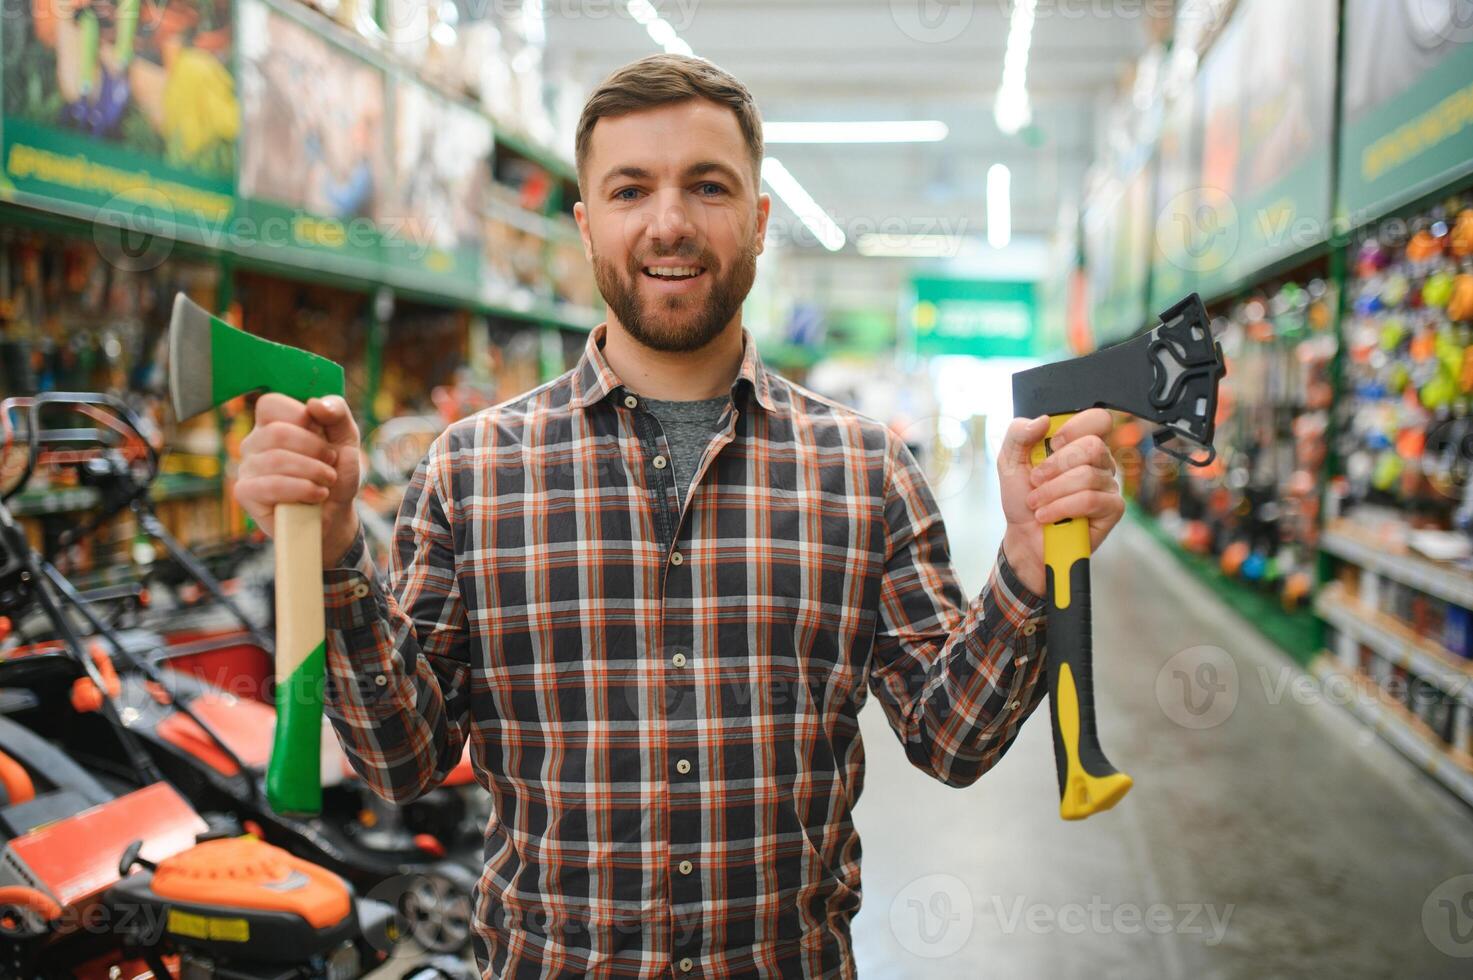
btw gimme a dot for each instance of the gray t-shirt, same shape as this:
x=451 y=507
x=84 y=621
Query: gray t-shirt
x=689 y=428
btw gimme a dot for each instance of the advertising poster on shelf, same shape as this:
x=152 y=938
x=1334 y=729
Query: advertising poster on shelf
x=313 y=154
x=122 y=112
x=1215 y=233
x=1174 y=246
x=442 y=175
x=1283 y=184
x=1117 y=241
x=1245 y=154
x=1408 y=102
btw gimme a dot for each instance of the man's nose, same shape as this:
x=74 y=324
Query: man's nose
x=672 y=220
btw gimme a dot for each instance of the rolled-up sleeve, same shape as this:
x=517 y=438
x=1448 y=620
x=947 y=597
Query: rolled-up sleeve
x=957 y=679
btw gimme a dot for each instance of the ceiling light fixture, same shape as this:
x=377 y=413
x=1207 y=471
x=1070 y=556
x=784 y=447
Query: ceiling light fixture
x=1012 y=110
x=999 y=206
x=802 y=204
x=658 y=28
x=896 y=131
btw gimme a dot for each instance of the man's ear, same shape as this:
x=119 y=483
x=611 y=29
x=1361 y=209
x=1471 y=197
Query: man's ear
x=580 y=215
x=764 y=211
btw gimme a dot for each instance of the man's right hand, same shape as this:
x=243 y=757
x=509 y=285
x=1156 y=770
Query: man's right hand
x=303 y=454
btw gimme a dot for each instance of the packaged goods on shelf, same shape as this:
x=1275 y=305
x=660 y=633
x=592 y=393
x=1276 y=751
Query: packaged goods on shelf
x=1405 y=421
x=487 y=52
x=572 y=275
x=71 y=319
x=1256 y=508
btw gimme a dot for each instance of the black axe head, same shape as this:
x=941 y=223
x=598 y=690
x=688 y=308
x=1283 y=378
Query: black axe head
x=1168 y=376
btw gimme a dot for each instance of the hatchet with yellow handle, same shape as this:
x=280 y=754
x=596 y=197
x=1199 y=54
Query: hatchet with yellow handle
x=1088 y=783
x=1169 y=376
x=211 y=362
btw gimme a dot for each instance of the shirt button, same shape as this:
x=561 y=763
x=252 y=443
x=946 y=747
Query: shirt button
x=1016 y=705
x=631 y=402
x=678 y=660
x=686 y=965
x=683 y=766
x=686 y=867
x=380 y=680
x=659 y=462
x=360 y=591
x=677 y=559
x=1029 y=629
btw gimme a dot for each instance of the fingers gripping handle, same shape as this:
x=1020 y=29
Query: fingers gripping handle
x=294 y=776
x=1088 y=783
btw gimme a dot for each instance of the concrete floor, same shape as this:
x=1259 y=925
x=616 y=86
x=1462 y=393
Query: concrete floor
x=1280 y=840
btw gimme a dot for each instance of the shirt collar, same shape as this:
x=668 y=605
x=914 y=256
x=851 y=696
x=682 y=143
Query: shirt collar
x=594 y=380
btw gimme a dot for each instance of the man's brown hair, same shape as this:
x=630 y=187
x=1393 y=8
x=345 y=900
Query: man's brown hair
x=661 y=79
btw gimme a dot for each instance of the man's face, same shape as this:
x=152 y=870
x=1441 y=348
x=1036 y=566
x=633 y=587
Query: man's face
x=672 y=221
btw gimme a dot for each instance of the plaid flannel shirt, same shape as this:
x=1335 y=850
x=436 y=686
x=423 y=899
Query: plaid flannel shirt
x=662 y=695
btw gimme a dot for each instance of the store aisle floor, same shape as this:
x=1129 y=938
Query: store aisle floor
x=1286 y=841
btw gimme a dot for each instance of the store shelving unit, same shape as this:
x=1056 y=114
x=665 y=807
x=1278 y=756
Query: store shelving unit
x=65 y=500
x=1434 y=578
x=1400 y=646
x=1398 y=726
x=1396 y=642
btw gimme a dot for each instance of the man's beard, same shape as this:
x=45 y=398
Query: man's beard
x=674 y=324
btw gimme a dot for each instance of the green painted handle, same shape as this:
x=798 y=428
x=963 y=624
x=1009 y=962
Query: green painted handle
x=294 y=777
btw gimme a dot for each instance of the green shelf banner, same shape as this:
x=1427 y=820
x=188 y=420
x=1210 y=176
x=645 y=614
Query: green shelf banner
x=1408 y=103
x=125 y=113
x=978 y=317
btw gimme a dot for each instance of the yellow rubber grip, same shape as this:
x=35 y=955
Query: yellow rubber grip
x=1064 y=542
x=1083 y=794
x=1088 y=783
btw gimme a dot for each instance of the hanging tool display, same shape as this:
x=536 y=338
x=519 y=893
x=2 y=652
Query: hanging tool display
x=1169 y=377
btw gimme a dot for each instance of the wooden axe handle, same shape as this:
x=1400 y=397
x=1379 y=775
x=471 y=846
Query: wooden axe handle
x=294 y=776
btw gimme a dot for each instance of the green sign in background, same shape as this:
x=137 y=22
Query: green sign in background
x=982 y=318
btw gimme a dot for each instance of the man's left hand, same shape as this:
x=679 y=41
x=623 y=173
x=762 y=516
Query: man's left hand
x=1078 y=480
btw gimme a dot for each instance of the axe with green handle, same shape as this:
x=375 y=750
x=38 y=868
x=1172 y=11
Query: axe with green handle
x=211 y=362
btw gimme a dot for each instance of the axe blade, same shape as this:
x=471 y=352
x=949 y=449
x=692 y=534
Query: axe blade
x=211 y=362
x=191 y=382
x=1168 y=376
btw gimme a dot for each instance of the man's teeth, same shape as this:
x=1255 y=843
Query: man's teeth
x=675 y=271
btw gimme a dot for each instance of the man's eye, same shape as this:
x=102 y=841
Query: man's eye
x=711 y=190
x=627 y=194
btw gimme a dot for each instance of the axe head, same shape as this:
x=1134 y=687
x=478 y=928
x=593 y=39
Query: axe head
x=1168 y=376
x=211 y=362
